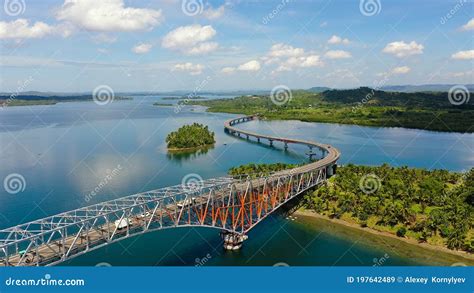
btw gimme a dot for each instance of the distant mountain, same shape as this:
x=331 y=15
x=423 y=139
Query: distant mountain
x=318 y=89
x=423 y=88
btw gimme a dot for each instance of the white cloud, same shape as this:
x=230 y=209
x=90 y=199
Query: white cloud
x=109 y=15
x=253 y=65
x=283 y=50
x=288 y=57
x=401 y=70
x=191 y=39
x=402 y=49
x=212 y=14
x=21 y=29
x=228 y=70
x=469 y=26
x=304 y=61
x=142 y=48
x=334 y=40
x=463 y=55
x=193 y=69
x=337 y=54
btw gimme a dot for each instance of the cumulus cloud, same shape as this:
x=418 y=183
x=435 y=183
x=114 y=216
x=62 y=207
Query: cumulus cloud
x=142 y=48
x=110 y=15
x=228 y=70
x=334 y=40
x=193 y=69
x=402 y=49
x=288 y=57
x=192 y=39
x=463 y=55
x=469 y=26
x=337 y=54
x=284 y=50
x=21 y=29
x=401 y=70
x=303 y=61
x=253 y=65
x=212 y=13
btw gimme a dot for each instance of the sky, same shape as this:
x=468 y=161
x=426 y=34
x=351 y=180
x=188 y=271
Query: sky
x=166 y=45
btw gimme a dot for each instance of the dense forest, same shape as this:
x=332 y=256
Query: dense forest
x=190 y=136
x=363 y=106
x=258 y=170
x=430 y=206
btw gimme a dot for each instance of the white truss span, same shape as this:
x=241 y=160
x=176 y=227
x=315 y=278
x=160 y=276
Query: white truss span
x=229 y=204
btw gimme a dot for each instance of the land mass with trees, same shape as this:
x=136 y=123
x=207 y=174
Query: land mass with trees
x=190 y=137
x=426 y=206
x=34 y=100
x=362 y=106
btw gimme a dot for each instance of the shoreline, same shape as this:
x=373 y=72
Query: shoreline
x=465 y=255
x=177 y=150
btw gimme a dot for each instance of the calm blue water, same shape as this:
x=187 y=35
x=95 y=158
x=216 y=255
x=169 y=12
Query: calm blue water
x=64 y=151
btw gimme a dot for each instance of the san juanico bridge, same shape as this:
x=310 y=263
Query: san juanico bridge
x=233 y=205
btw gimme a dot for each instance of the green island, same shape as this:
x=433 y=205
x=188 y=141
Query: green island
x=363 y=106
x=163 y=104
x=432 y=208
x=36 y=100
x=190 y=137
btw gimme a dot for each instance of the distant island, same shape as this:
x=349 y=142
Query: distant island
x=184 y=98
x=190 y=137
x=35 y=100
x=163 y=104
x=362 y=106
x=434 y=208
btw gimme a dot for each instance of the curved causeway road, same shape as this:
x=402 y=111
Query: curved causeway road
x=331 y=154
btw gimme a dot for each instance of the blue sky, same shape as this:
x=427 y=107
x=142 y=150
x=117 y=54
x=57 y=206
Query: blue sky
x=151 y=45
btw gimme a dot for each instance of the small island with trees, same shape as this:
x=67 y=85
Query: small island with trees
x=190 y=137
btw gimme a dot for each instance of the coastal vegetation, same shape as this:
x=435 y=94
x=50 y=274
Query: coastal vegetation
x=33 y=100
x=192 y=136
x=257 y=170
x=363 y=106
x=429 y=206
x=435 y=207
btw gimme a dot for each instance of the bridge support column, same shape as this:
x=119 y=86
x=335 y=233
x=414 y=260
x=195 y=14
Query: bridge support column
x=233 y=241
x=271 y=142
x=247 y=137
x=258 y=139
x=286 y=146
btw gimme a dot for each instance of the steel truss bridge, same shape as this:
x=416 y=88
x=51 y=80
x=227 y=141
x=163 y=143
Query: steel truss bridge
x=233 y=205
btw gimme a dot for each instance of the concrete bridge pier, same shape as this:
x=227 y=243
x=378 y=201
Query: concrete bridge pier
x=271 y=142
x=286 y=146
x=233 y=241
x=258 y=139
